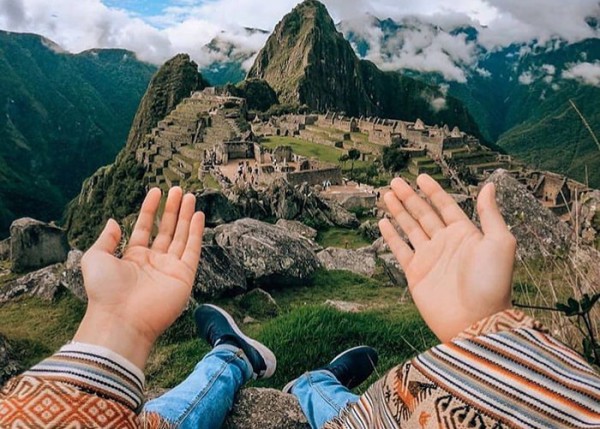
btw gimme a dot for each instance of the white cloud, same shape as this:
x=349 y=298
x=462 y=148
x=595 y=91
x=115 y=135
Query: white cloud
x=526 y=78
x=588 y=73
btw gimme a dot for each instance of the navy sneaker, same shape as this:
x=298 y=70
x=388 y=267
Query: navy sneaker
x=351 y=368
x=217 y=327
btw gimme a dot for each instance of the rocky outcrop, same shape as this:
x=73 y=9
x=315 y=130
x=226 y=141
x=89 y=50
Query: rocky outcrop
x=72 y=277
x=35 y=244
x=269 y=254
x=538 y=231
x=361 y=261
x=217 y=208
x=370 y=230
x=345 y=306
x=298 y=227
x=380 y=246
x=392 y=268
x=220 y=273
x=44 y=284
x=9 y=365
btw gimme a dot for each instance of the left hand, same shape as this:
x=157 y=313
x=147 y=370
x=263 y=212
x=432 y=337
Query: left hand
x=134 y=299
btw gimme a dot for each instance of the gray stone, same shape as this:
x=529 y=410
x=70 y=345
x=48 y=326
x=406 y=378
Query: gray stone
x=380 y=246
x=340 y=216
x=217 y=208
x=9 y=366
x=44 y=284
x=361 y=261
x=538 y=231
x=220 y=273
x=392 y=268
x=258 y=303
x=249 y=320
x=268 y=253
x=5 y=249
x=265 y=409
x=34 y=244
x=370 y=230
x=72 y=277
x=345 y=307
x=298 y=228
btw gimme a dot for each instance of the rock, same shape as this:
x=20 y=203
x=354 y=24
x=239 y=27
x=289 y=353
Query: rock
x=72 y=278
x=345 y=307
x=538 y=231
x=361 y=261
x=466 y=203
x=380 y=246
x=393 y=269
x=258 y=303
x=298 y=228
x=268 y=253
x=265 y=409
x=9 y=366
x=217 y=208
x=44 y=284
x=5 y=250
x=249 y=320
x=340 y=216
x=219 y=273
x=209 y=236
x=248 y=202
x=370 y=230
x=35 y=244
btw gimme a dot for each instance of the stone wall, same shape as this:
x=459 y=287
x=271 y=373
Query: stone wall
x=315 y=177
x=353 y=200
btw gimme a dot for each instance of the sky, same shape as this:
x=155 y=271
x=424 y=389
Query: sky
x=158 y=29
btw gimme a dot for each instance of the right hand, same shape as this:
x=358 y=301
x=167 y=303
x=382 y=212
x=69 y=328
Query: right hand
x=457 y=274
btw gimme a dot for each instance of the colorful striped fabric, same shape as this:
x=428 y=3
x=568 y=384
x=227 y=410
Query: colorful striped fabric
x=505 y=372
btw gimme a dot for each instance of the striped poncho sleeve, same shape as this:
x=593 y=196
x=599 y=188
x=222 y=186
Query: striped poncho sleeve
x=504 y=372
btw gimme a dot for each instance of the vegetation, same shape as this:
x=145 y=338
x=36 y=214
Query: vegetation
x=305 y=148
x=342 y=238
x=394 y=159
x=258 y=94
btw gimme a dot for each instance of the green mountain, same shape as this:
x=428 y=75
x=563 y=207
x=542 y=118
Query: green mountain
x=308 y=62
x=117 y=189
x=61 y=117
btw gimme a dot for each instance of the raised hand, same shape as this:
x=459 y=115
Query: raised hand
x=134 y=299
x=457 y=274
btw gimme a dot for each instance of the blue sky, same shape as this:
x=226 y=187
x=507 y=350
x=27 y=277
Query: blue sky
x=143 y=8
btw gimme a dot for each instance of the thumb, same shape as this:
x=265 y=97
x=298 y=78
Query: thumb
x=492 y=221
x=109 y=238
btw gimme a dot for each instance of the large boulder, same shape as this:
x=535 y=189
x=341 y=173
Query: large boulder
x=298 y=227
x=538 y=231
x=219 y=273
x=35 y=244
x=339 y=216
x=361 y=261
x=9 y=366
x=217 y=208
x=265 y=409
x=72 y=277
x=44 y=284
x=268 y=253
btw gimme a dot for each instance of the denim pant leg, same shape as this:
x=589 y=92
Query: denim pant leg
x=321 y=397
x=205 y=397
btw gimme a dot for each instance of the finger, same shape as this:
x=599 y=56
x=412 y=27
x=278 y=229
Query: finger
x=409 y=225
x=399 y=248
x=168 y=222
x=188 y=207
x=193 y=248
x=444 y=203
x=145 y=221
x=109 y=239
x=492 y=222
x=420 y=210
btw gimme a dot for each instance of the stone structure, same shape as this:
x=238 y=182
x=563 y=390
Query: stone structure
x=315 y=177
x=361 y=261
x=35 y=244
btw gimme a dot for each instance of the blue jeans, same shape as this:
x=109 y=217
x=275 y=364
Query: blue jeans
x=321 y=397
x=204 y=398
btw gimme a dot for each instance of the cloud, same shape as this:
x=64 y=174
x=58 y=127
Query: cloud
x=526 y=78
x=587 y=73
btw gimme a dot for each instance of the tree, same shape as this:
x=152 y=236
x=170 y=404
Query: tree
x=393 y=158
x=353 y=155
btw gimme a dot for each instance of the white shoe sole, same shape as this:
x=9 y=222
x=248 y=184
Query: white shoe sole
x=267 y=355
x=288 y=387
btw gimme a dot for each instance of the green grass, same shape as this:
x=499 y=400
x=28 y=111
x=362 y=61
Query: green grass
x=338 y=237
x=305 y=148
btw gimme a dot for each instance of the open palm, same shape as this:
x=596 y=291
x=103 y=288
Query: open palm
x=456 y=273
x=148 y=288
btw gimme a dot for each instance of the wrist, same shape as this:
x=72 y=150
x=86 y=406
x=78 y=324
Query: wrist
x=115 y=334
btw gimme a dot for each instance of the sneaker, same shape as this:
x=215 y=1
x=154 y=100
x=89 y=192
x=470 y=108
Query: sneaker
x=351 y=368
x=217 y=327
